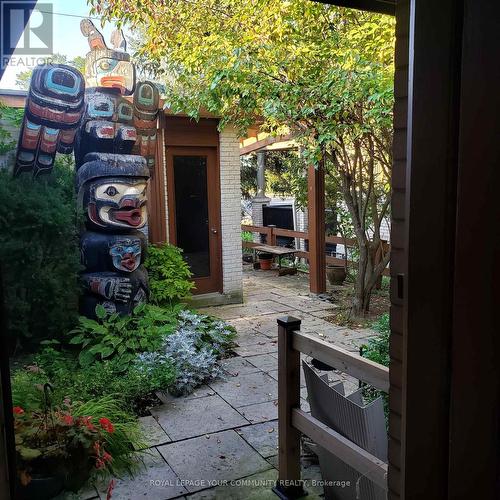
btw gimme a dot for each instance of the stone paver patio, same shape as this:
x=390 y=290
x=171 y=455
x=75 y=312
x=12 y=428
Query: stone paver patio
x=221 y=441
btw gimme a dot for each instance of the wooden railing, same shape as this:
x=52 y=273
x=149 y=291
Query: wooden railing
x=292 y=421
x=272 y=233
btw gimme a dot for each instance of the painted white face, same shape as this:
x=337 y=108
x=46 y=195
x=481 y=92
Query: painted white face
x=122 y=204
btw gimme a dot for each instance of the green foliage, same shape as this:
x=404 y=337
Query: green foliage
x=12 y=116
x=101 y=378
x=122 y=337
x=377 y=348
x=169 y=274
x=39 y=253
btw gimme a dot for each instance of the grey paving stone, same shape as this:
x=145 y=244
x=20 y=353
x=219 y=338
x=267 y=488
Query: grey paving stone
x=266 y=347
x=153 y=432
x=264 y=361
x=87 y=492
x=156 y=481
x=194 y=417
x=223 y=456
x=247 y=389
x=260 y=412
x=274 y=374
x=263 y=437
x=250 y=339
x=199 y=392
x=255 y=487
x=237 y=366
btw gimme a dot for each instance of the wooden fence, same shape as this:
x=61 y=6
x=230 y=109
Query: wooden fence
x=292 y=421
x=272 y=234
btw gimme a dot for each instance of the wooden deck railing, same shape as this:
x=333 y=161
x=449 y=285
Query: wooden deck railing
x=272 y=233
x=292 y=421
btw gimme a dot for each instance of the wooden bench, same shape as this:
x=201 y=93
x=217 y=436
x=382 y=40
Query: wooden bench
x=278 y=252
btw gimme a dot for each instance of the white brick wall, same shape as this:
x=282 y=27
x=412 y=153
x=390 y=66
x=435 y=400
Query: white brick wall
x=230 y=181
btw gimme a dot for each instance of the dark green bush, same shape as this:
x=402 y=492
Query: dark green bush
x=169 y=274
x=39 y=254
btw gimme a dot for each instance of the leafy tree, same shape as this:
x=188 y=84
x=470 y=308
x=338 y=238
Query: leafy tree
x=24 y=77
x=322 y=72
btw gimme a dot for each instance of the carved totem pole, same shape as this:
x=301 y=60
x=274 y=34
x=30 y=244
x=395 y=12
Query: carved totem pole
x=114 y=142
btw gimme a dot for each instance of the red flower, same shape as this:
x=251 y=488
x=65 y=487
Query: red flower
x=107 y=457
x=107 y=425
x=86 y=421
x=97 y=448
x=99 y=464
x=68 y=419
x=17 y=410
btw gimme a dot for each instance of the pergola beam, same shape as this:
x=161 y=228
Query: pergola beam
x=263 y=143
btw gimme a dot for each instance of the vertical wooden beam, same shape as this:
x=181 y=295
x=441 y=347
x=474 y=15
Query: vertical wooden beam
x=156 y=192
x=316 y=213
x=289 y=484
x=474 y=465
x=430 y=204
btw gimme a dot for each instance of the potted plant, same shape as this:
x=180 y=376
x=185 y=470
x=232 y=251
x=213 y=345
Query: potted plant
x=57 y=450
x=336 y=274
x=265 y=260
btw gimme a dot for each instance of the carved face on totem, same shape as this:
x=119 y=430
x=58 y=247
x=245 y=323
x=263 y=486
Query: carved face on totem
x=112 y=252
x=106 y=67
x=112 y=191
x=126 y=254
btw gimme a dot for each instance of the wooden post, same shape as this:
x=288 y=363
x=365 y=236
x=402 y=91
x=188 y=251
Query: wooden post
x=272 y=239
x=316 y=211
x=289 y=484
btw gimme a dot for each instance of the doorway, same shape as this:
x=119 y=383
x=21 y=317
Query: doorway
x=194 y=212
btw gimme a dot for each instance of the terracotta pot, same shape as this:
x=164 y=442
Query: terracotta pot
x=265 y=263
x=336 y=274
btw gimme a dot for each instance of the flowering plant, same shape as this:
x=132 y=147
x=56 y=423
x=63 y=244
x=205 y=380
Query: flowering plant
x=55 y=442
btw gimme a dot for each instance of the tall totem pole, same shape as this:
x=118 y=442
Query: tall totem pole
x=114 y=140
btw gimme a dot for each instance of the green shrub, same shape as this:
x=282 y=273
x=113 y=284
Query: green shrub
x=122 y=337
x=377 y=348
x=169 y=274
x=102 y=378
x=39 y=254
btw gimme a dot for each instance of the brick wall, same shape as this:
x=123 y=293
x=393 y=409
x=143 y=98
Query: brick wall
x=231 y=213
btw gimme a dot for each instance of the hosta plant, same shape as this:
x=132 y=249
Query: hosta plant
x=122 y=337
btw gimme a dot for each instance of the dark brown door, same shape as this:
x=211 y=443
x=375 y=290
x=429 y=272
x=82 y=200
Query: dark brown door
x=194 y=212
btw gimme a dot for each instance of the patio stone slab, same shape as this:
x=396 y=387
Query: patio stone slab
x=237 y=366
x=263 y=437
x=255 y=487
x=153 y=431
x=247 y=389
x=260 y=412
x=87 y=492
x=194 y=417
x=199 y=392
x=156 y=481
x=259 y=348
x=223 y=456
x=264 y=361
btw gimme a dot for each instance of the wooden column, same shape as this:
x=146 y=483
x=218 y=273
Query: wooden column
x=156 y=192
x=289 y=484
x=316 y=212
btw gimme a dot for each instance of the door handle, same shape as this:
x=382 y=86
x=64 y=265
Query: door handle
x=214 y=231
